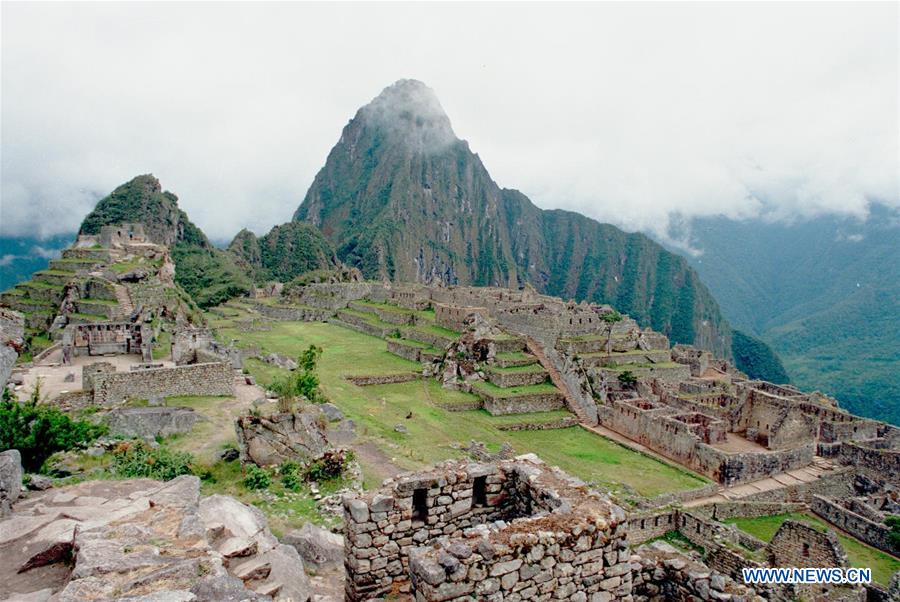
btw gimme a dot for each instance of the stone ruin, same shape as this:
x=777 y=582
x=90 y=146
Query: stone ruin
x=106 y=338
x=512 y=530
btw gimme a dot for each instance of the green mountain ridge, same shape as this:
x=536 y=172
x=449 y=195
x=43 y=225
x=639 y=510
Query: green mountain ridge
x=401 y=197
x=210 y=275
x=287 y=251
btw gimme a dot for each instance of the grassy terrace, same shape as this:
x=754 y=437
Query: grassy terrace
x=517 y=369
x=56 y=272
x=434 y=433
x=515 y=356
x=860 y=555
x=495 y=391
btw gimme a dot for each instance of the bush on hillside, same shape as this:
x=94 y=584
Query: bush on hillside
x=136 y=459
x=38 y=431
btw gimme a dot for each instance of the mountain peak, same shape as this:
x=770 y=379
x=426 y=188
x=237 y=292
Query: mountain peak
x=410 y=111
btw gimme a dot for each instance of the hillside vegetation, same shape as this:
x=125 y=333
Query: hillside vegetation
x=401 y=197
x=823 y=293
x=209 y=275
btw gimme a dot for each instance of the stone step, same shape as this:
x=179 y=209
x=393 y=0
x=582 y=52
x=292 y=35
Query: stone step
x=269 y=588
x=238 y=547
x=255 y=569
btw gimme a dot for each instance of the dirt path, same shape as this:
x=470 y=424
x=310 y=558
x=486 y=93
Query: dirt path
x=375 y=463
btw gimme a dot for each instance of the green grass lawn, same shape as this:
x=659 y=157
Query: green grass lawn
x=517 y=369
x=436 y=434
x=495 y=391
x=860 y=555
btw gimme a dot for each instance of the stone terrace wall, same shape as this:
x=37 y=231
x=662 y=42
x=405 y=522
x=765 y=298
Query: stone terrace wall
x=883 y=461
x=646 y=527
x=722 y=510
x=518 y=404
x=873 y=533
x=111 y=388
x=293 y=314
x=333 y=296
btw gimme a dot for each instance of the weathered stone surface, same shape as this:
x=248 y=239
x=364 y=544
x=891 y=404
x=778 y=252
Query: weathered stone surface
x=38 y=482
x=8 y=357
x=10 y=479
x=150 y=422
x=144 y=540
x=271 y=440
x=316 y=545
x=332 y=412
x=281 y=361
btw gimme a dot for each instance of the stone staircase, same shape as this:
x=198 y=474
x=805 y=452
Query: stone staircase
x=572 y=401
x=126 y=305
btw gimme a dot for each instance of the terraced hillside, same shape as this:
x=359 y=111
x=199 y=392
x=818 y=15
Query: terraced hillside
x=435 y=423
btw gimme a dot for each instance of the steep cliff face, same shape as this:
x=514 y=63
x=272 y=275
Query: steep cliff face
x=400 y=196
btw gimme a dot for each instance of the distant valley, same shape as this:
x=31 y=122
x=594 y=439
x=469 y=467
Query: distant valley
x=824 y=293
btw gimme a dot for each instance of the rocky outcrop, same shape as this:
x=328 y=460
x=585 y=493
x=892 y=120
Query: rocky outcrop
x=150 y=422
x=10 y=479
x=145 y=540
x=316 y=545
x=12 y=333
x=271 y=440
x=280 y=361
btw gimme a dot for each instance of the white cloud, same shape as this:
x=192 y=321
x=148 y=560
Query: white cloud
x=626 y=112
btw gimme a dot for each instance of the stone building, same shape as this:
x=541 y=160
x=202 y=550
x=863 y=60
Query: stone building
x=467 y=529
x=106 y=338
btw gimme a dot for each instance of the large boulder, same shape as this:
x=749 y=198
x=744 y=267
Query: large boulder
x=8 y=357
x=144 y=540
x=272 y=440
x=316 y=545
x=10 y=479
x=150 y=422
x=280 y=361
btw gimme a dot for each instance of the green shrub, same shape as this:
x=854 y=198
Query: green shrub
x=894 y=535
x=627 y=379
x=38 y=431
x=256 y=478
x=302 y=382
x=136 y=459
x=331 y=465
x=290 y=476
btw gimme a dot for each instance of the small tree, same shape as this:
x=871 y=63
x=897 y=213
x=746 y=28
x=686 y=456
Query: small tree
x=302 y=382
x=894 y=535
x=627 y=379
x=38 y=430
x=610 y=318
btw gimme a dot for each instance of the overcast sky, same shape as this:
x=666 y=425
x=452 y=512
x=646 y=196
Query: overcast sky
x=627 y=113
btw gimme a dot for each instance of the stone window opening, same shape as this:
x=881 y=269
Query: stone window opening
x=479 y=492
x=806 y=550
x=420 y=505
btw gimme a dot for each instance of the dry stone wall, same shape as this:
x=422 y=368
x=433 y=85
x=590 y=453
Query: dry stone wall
x=111 y=388
x=555 y=536
x=873 y=533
